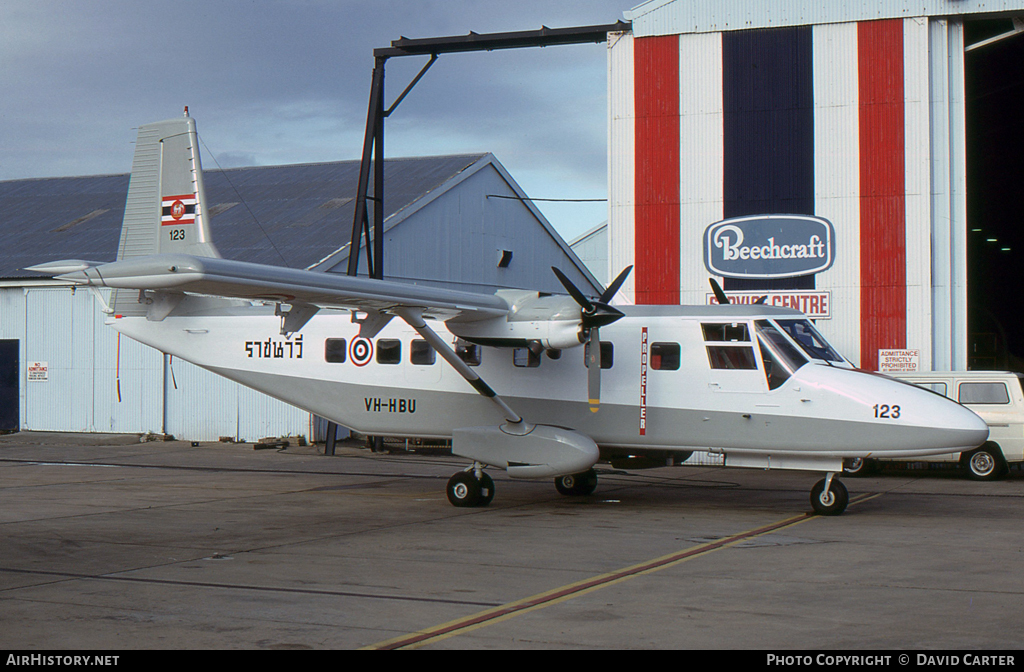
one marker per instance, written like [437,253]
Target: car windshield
[808,338]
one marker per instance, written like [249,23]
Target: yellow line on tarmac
[557,595]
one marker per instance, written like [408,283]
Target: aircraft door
[732,358]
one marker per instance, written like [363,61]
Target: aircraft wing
[178,273]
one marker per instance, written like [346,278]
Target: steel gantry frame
[373,140]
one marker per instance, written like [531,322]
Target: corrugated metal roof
[304,211]
[669,17]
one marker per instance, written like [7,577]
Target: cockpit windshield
[779,356]
[808,338]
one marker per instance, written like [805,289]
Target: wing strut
[414,318]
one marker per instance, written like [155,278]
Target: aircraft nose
[958,427]
[968,430]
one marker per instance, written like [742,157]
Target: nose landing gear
[829,496]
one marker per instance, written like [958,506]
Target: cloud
[288,82]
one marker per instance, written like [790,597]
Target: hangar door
[994,87]
[9,385]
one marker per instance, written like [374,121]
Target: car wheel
[984,464]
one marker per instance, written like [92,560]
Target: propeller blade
[574,292]
[616,283]
[594,370]
[719,293]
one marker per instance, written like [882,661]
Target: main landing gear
[577,485]
[829,496]
[471,487]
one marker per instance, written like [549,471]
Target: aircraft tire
[984,464]
[486,490]
[577,485]
[464,490]
[857,466]
[832,503]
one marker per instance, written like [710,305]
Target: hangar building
[889,133]
[457,221]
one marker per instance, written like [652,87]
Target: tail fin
[166,210]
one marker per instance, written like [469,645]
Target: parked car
[996,396]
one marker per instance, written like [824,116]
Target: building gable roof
[294,215]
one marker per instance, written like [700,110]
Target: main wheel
[576,485]
[830,503]
[464,489]
[858,466]
[984,464]
[486,490]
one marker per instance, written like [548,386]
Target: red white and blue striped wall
[858,123]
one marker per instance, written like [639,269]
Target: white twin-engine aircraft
[755,383]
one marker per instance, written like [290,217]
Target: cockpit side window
[779,356]
[731,345]
[808,338]
[729,332]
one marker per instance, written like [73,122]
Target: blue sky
[288,82]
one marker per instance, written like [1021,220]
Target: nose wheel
[470,488]
[829,496]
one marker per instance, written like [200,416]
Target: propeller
[593,316]
[720,296]
[723,300]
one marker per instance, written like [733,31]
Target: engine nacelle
[552,321]
[543,452]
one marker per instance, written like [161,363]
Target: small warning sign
[38,371]
[899,361]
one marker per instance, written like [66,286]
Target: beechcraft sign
[769,246]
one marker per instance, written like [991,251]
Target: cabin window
[389,351]
[665,356]
[735,332]
[607,354]
[525,358]
[731,357]
[983,393]
[422,353]
[470,353]
[335,350]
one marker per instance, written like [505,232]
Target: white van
[998,398]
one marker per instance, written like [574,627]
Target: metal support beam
[371,150]
[373,139]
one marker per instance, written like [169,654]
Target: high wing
[213,276]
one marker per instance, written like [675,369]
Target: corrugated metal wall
[853,122]
[656,165]
[99,383]
[664,17]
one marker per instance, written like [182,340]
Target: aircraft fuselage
[679,379]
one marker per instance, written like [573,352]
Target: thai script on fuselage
[380,405]
[275,348]
[769,246]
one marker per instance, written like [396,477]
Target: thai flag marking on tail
[178,210]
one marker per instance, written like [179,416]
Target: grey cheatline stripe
[572,590]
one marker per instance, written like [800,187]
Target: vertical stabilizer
[166,210]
